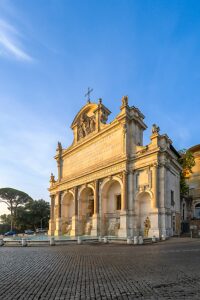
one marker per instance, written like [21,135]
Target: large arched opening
[110,207]
[144,209]
[67,212]
[197,211]
[86,210]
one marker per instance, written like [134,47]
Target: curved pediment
[87,110]
[89,119]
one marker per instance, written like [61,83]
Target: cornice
[145,154]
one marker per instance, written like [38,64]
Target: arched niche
[144,200]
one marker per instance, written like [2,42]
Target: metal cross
[88,94]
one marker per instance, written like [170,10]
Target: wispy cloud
[27,146]
[11,43]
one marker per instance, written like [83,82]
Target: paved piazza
[167,270]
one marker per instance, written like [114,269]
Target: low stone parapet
[53,241]
[147,241]
[12,242]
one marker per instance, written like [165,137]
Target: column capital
[124,175]
[75,189]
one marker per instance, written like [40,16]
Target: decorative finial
[155,129]
[59,147]
[88,94]
[100,101]
[124,100]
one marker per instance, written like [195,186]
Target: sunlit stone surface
[109,183]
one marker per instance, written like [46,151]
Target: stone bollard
[1,242]
[129,241]
[24,242]
[163,237]
[135,240]
[105,240]
[52,241]
[154,239]
[79,241]
[140,240]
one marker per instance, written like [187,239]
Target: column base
[135,232]
[95,225]
[122,232]
[163,233]
[74,230]
[58,230]
[154,232]
[51,228]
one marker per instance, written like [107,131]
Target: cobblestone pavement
[167,270]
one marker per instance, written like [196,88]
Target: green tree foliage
[37,213]
[187,162]
[5,219]
[184,188]
[13,199]
[31,216]
[4,228]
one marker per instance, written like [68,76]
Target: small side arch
[197,209]
[68,192]
[108,180]
[139,194]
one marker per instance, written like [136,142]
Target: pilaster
[162,200]
[52,220]
[58,231]
[58,222]
[124,192]
[74,230]
[155,186]
[123,214]
[95,217]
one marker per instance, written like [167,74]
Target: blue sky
[52,50]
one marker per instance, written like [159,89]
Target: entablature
[109,170]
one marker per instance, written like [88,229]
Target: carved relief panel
[85,126]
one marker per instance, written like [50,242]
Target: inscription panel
[143,177]
[98,153]
[91,177]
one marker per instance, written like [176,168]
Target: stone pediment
[89,120]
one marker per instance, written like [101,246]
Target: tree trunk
[11,212]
